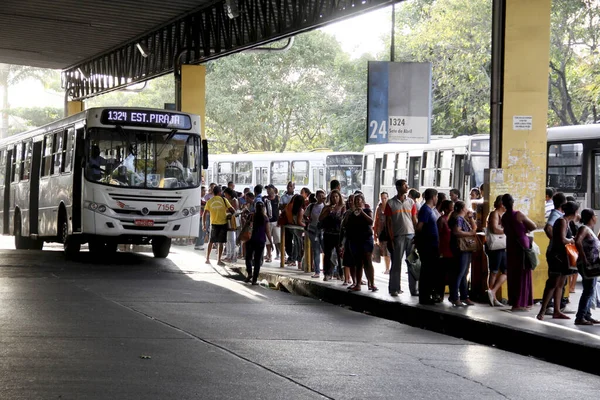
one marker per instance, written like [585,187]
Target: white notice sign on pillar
[522,122]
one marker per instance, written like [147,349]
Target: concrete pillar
[74,107]
[523,139]
[193,92]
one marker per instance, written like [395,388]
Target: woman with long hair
[496,258]
[359,242]
[589,246]
[518,277]
[331,221]
[378,229]
[558,262]
[255,247]
[348,261]
[462,224]
[296,217]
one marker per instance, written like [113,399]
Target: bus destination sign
[148,118]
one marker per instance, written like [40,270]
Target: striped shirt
[401,212]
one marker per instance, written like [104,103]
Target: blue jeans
[315,246]
[587,296]
[254,253]
[203,231]
[402,248]
[462,259]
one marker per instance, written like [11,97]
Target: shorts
[497,261]
[275,232]
[218,233]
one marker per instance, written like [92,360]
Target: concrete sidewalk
[557,341]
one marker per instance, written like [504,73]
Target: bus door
[262,175]
[595,203]
[34,187]
[318,178]
[460,180]
[414,172]
[6,204]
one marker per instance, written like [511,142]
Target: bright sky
[364,33]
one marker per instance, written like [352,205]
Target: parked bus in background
[443,164]
[574,163]
[106,176]
[311,169]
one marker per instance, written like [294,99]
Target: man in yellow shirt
[218,207]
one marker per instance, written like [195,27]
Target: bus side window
[300,172]
[2,166]
[15,163]
[26,160]
[280,172]
[47,156]
[67,151]
[57,156]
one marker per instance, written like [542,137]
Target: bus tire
[161,247]
[71,245]
[36,244]
[20,241]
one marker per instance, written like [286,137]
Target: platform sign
[399,102]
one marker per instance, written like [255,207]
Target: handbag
[530,258]
[376,255]
[414,264]
[246,233]
[590,271]
[572,255]
[231,222]
[467,244]
[495,241]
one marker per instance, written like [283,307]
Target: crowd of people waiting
[435,238]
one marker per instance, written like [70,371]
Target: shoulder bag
[530,258]
[246,233]
[592,270]
[572,255]
[494,241]
[467,243]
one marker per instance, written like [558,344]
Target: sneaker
[549,311]
[394,294]
[201,248]
[497,303]
[567,310]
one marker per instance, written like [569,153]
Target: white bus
[312,169]
[443,164]
[574,163]
[106,176]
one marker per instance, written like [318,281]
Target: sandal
[560,316]
[355,289]
[583,322]
[373,288]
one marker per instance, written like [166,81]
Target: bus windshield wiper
[167,140]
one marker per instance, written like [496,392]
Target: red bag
[282,219]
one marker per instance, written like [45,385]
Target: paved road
[139,328]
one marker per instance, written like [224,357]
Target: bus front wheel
[71,245]
[161,247]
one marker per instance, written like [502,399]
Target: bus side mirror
[205,154]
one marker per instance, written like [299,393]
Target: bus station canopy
[105,45]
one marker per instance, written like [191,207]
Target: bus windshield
[143,159]
[346,168]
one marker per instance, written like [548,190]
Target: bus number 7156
[166,207]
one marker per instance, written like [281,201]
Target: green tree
[454,36]
[11,75]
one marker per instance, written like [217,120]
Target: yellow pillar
[74,107]
[193,92]
[525,110]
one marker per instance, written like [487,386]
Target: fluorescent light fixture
[143,49]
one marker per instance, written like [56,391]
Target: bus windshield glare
[143,159]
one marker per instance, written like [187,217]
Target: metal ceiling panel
[104,45]
[57,34]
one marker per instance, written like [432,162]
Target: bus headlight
[194,210]
[185,212]
[102,208]
[95,206]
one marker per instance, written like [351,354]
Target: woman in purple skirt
[516,226]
